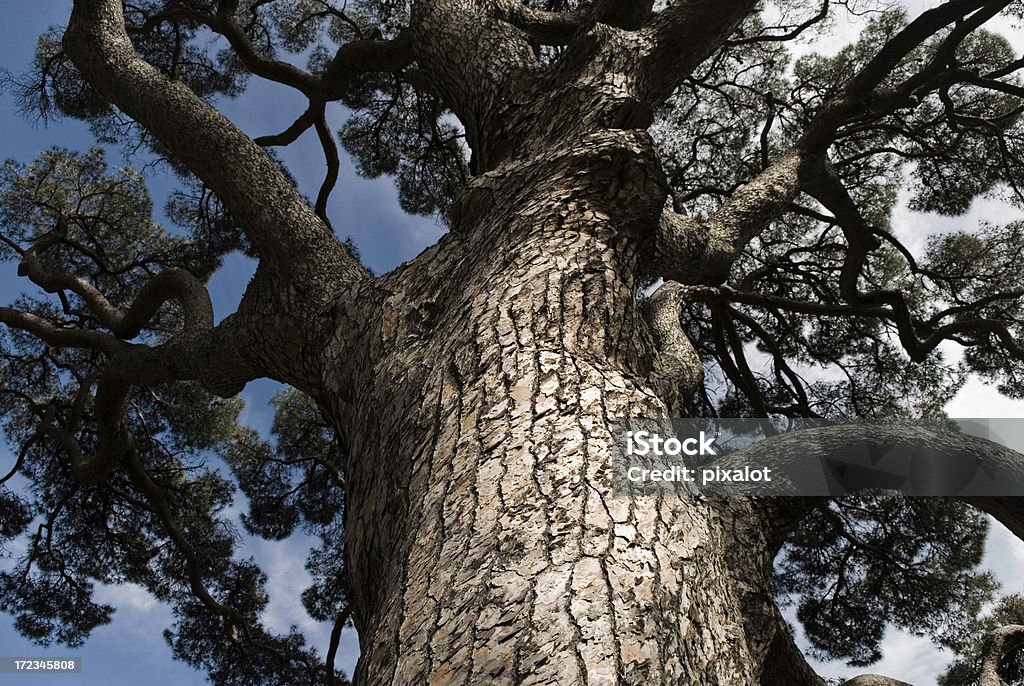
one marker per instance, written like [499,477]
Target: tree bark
[485,544]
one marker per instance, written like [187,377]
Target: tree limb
[716,243]
[859,96]
[330,149]
[677,370]
[999,642]
[785,451]
[550,28]
[358,56]
[789,35]
[57,336]
[829,190]
[682,36]
[709,249]
[332,649]
[283,228]
[171,284]
[292,133]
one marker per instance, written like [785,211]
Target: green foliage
[293,480]
[405,134]
[232,657]
[709,129]
[938,152]
[109,237]
[96,225]
[964,271]
[857,564]
[296,481]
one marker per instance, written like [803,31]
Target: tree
[447,439]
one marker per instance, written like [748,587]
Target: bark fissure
[521,566]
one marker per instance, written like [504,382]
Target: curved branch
[291,134]
[171,284]
[354,57]
[677,370]
[330,148]
[708,249]
[282,227]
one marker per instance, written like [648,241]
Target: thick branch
[682,36]
[114,439]
[914,34]
[550,28]
[59,337]
[787,451]
[1000,641]
[476,62]
[716,244]
[274,215]
[677,370]
[172,284]
[702,253]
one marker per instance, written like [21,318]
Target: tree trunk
[485,544]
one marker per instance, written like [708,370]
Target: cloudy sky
[369,212]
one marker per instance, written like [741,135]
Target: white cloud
[128,598]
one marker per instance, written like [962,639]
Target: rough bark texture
[484,540]
[483,533]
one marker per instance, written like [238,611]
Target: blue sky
[368,211]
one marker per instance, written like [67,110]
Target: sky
[368,211]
